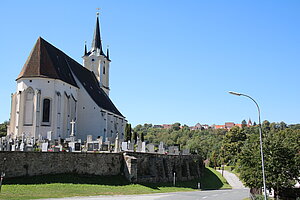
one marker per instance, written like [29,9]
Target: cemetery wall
[38,163]
[150,167]
[137,167]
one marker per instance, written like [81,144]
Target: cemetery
[136,160]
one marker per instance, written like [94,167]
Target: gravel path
[232,179]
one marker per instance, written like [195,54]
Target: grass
[213,180]
[67,185]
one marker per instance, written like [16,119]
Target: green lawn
[213,180]
[66,185]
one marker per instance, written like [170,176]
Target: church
[58,96]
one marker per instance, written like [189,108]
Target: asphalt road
[234,194]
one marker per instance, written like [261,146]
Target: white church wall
[49,89]
[90,121]
[93,120]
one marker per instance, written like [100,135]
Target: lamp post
[260,138]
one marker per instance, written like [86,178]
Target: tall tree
[134,136]
[3,129]
[128,132]
[232,144]
[142,137]
[282,160]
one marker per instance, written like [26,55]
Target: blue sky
[172,61]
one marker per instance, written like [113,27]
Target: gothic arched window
[103,69]
[46,111]
[28,110]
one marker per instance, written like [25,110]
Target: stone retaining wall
[137,167]
[146,167]
[38,163]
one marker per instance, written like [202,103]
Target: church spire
[85,50]
[96,44]
[107,53]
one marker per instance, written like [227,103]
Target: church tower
[96,61]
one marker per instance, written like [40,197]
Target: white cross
[72,127]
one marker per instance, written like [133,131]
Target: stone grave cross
[72,128]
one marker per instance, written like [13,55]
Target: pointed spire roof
[46,61]
[96,44]
[107,54]
[85,50]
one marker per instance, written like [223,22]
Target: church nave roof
[47,61]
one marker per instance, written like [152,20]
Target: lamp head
[235,93]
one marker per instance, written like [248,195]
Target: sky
[172,61]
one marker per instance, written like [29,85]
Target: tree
[244,123]
[282,160]
[282,125]
[266,126]
[142,137]
[128,132]
[134,136]
[249,162]
[3,129]
[176,126]
[232,144]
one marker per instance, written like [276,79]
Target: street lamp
[260,138]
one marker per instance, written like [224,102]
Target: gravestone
[72,138]
[32,142]
[117,144]
[150,148]
[39,139]
[49,135]
[124,146]
[100,140]
[143,147]
[89,138]
[90,146]
[77,146]
[185,151]
[13,147]
[22,146]
[161,149]
[96,146]
[1,145]
[5,145]
[29,148]
[176,150]
[45,147]
[104,147]
[139,146]
[173,150]
[131,147]
[58,140]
